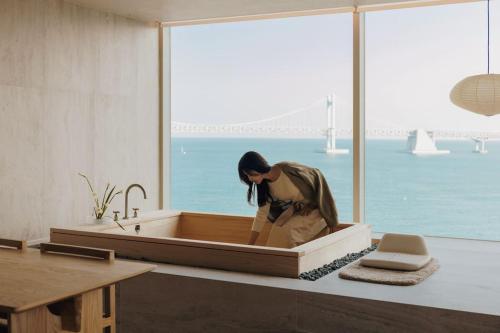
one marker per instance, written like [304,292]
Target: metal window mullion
[165,108]
[358,117]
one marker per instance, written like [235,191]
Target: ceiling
[187,11]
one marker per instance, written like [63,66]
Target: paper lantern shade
[478,93]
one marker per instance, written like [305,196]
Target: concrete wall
[78,93]
[158,302]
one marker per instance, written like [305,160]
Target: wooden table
[42,291]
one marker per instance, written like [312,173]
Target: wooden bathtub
[215,241]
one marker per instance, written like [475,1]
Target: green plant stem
[119,192]
[96,200]
[119,225]
[109,195]
[106,198]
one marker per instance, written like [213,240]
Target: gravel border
[326,269]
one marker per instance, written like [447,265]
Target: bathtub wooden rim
[298,251]
[184,242]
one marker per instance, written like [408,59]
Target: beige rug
[385,276]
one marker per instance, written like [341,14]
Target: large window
[263,86]
[413,59]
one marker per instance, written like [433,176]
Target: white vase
[104,220]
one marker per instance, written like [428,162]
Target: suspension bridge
[317,119]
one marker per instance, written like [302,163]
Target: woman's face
[255,177]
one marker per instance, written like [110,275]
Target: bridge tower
[480,145]
[331,132]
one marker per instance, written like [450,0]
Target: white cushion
[398,251]
[393,260]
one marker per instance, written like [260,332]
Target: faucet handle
[116,212]
[135,211]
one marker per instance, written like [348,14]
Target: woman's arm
[258,223]
[253,237]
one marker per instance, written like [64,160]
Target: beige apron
[298,229]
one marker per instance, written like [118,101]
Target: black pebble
[317,273]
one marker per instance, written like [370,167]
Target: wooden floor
[463,295]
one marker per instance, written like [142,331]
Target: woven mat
[386,276]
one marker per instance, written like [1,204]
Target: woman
[293,197]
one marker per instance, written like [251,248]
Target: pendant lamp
[479,93]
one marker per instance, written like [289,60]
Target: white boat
[421,142]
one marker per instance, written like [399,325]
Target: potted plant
[100,206]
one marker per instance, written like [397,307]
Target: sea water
[455,195]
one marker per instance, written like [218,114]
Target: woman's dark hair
[254,162]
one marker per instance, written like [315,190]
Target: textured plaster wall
[78,93]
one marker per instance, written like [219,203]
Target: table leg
[93,311]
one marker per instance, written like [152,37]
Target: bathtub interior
[198,226]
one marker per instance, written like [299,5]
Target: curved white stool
[398,251]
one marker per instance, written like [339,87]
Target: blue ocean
[455,195]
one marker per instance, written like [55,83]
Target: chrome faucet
[126,197]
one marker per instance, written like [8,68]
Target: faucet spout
[126,197]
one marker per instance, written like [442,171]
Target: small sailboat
[183,152]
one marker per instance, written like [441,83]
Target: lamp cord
[488,36]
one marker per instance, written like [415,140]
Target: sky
[245,71]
